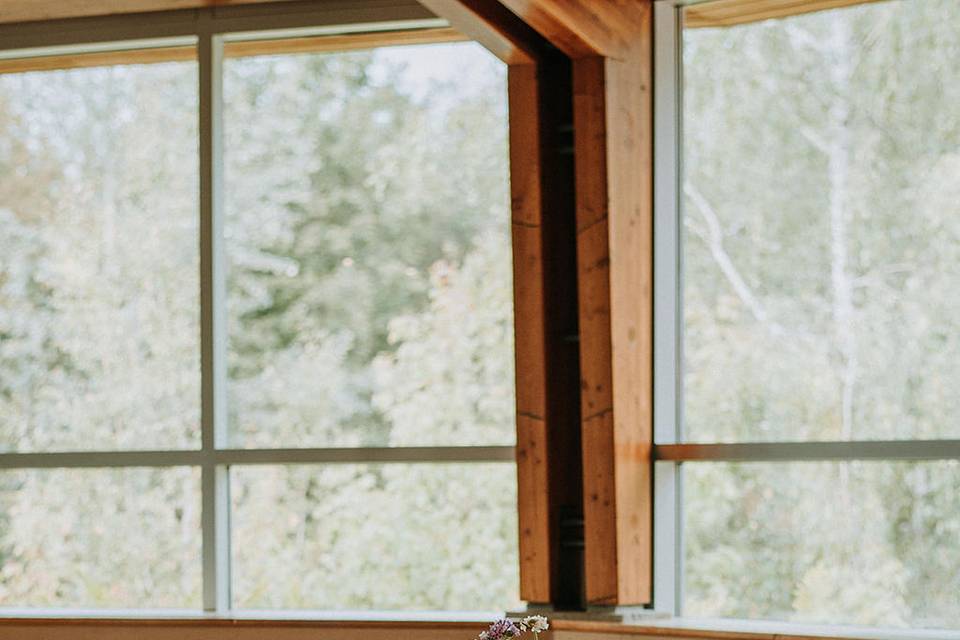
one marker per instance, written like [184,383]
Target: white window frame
[208,29]
[667,307]
[670,450]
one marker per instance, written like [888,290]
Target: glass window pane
[98,283]
[869,543]
[367,230]
[82,538]
[822,225]
[396,536]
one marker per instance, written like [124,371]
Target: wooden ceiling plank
[344,42]
[99,59]
[726,13]
[584,28]
[242,49]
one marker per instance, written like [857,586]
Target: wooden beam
[611,46]
[548,434]
[529,307]
[584,28]
[614,158]
[630,241]
[560,320]
[546,317]
[727,13]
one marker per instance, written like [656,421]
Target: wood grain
[548,444]
[231,629]
[583,28]
[630,183]
[342,42]
[613,146]
[726,13]
[244,49]
[99,59]
[530,336]
[234,629]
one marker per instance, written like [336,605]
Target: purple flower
[500,630]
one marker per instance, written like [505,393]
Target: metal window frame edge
[479,454]
[667,322]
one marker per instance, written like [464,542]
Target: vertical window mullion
[667,307]
[215,482]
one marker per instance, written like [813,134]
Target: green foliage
[367,243]
[333,253]
[821,218]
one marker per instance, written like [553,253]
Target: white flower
[536,624]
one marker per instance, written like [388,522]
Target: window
[346,276]
[98,226]
[346,285]
[99,334]
[817,446]
[256,313]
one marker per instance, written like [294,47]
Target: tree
[820,169]
[354,190]
[375,309]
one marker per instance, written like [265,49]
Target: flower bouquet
[504,629]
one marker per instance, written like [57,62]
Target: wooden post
[531,339]
[548,434]
[611,47]
[615,256]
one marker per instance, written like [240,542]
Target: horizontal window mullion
[100,459]
[333,455]
[365,455]
[809,451]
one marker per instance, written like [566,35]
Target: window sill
[718,629]
[189,617]
[660,629]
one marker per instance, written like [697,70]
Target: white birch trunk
[839,159]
